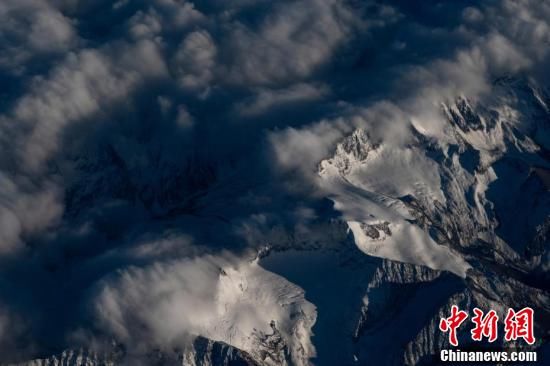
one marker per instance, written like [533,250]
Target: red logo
[519,325]
[485,326]
[516,325]
[451,323]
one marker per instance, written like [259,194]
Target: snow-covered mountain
[461,221]
[288,183]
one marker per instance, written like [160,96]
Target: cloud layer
[167,119]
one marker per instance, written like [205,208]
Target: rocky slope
[463,220]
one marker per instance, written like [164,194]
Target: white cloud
[290,44]
[85,84]
[195,60]
[25,209]
[472,14]
[248,57]
[300,150]
[177,14]
[30,29]
[226,300]
[266,99]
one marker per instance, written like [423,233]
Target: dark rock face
[373,231]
